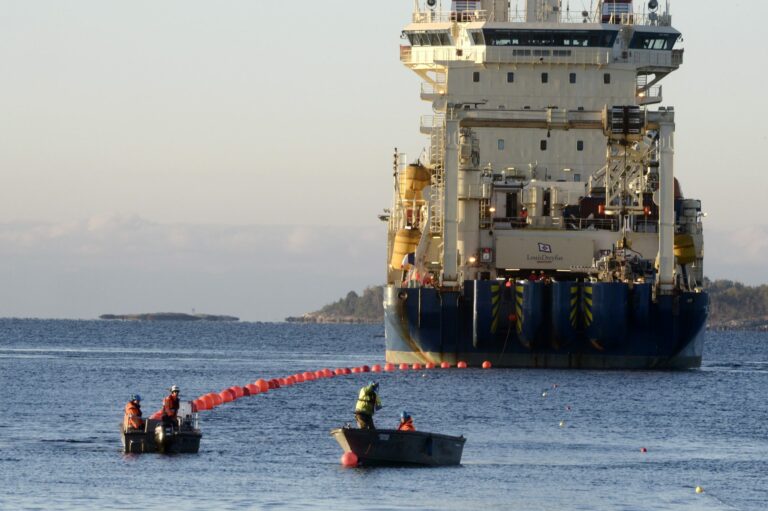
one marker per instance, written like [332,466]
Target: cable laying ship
[544,227]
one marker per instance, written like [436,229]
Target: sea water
[548,440]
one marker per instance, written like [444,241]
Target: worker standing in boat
[132,418]
[406,422]
[368,402]
[171,407]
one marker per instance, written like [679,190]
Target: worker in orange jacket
[132,419]
[171,407]
[406,422]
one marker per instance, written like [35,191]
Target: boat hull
[392,447]
[146,440]
[536,325]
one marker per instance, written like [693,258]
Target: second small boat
[392,447]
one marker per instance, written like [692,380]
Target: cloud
[131,264]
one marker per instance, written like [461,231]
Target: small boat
[181,438]
[391,447]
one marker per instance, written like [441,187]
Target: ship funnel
[496,10]
[542,11]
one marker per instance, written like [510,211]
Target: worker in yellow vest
[368,402]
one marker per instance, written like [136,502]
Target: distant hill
[167,316]
[733,306]
[367,308]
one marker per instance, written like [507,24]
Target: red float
[487,365]
[309,376]
[445,365]
[355,370]
[430,365]
[226,396]
[319,374]
[217,399]
[349,459]
[328,373]
[209,402]
[263,385]
[389,367]
[339,371]
[462,365]
[376,368]
[643,450]
[347,370]
[253,389]
[404,366]
[366,369]
[299,378]
[238,391]
[417,367]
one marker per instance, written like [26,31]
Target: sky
[231,157]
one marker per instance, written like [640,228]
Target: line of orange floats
[213,399]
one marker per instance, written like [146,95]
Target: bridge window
[543,145]
[544,77]
[576,38]
[653,41]
[572,78]
[476,76]
[501,144]
[431,38]
[607,78]
[510,77]
[580,145]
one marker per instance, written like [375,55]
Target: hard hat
[135,397]
[175,388]
[405,416]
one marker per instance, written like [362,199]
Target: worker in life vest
[406,422]
[368,402]
[132,419]
[171,407]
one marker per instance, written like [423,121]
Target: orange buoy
[246,391]
[309,376]
[376,368]
[487,365]
[349,459]
[238,391]
[299,377]
[339,371]
[252,389]
[355,370]
[217,399]
[263,385]
[347,370]
[430,365]
[643,450]
[404,366]
[226,396]
[319,374]
[365,369]
[328,373]
[462,365]
[197,406]
[389,367]
[445,365]
[416,367]
[209,402]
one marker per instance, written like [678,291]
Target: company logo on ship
[545,255]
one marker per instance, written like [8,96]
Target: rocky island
[167,316]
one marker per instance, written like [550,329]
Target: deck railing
[520,16]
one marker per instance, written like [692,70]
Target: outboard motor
[164,437]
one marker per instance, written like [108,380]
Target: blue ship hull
[560,325]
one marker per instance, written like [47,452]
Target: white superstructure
[545,154]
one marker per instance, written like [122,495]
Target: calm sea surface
[63,385]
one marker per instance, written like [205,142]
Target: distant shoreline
[167,316]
